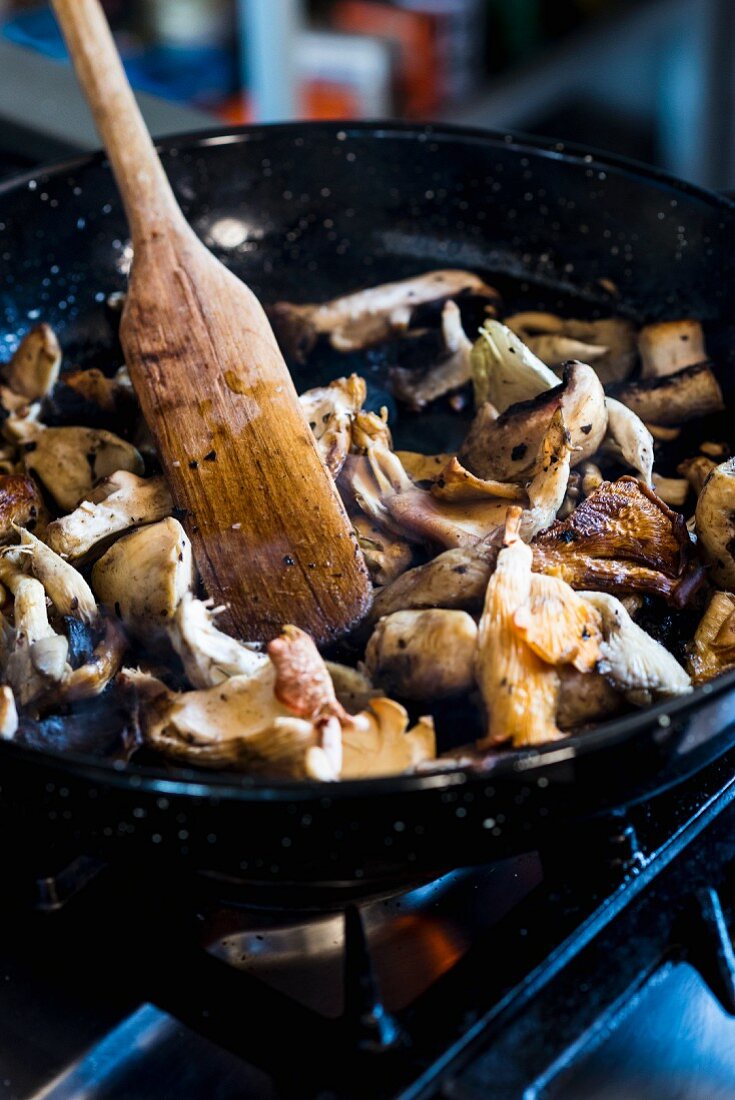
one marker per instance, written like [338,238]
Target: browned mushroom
[675,398]
[668,346]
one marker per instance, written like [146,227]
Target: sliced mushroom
[144,576]
[715,522]
[712,650]
[423,654]
[675,398]
[451,373]
[505,448]
[608,344]
[115,505]
[519,689]
[633,661]
[209,656]
[34,368]
[629,439]
[329,411]
[65,586]
[668,346]
[366,317]
[68,461]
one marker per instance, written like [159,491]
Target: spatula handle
[146,193]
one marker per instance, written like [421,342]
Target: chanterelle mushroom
[144,576]
[423,654]
[715,522]
[368,316]
[34,368]
[68,461]
[116,504]
[633,661]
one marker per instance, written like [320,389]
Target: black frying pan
[306,212]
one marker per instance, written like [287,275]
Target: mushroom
[209,656]
[546,490]
[353,688]
[668,346]
[558,625]
[91,678]
[715,522]
[671,490]
[366,317]
[452,372]
[624,539]
[634,662]
[144,576]
[629,439]
[505,371]
[386,554]
[20,504]
[675,398]
[329,411]
[584,697]
[423,654]
[505,448]
[423,467]
[112,395]
[116,504]
[696,470]
[455,579]
[519,689]
[383,744]
[64,585]
[712,649]
[34,368]
[608,344]
[455,483]
[37,654]
[8,713]
[68,461]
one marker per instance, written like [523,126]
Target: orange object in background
[318,99]
[414,37]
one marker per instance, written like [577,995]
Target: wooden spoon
[270,536]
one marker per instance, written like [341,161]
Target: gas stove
[601,968]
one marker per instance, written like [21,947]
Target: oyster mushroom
[20,504]
[92,677]
[144,576]
[423,654]
[455,579]
[451,373]
[209,656]
[8,713]
[455,483]
[629,439]
[115,505]
[715,522]
[667,346]
[386,554]
[68,461]
[505,448]
[504,370]
[34,368]
[37,654]
[422,468]
[675,398]
[634,662]
[329,411]
[608,344]
[712,649]
[622,538]
[366,317]
[65,586]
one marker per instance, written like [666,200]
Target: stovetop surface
[602,967]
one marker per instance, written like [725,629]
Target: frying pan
[304,212]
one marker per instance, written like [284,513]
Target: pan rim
[175,779]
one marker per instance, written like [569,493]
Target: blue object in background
[203,75]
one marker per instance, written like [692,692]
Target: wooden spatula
[270,535]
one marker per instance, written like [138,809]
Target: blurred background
[653,79]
